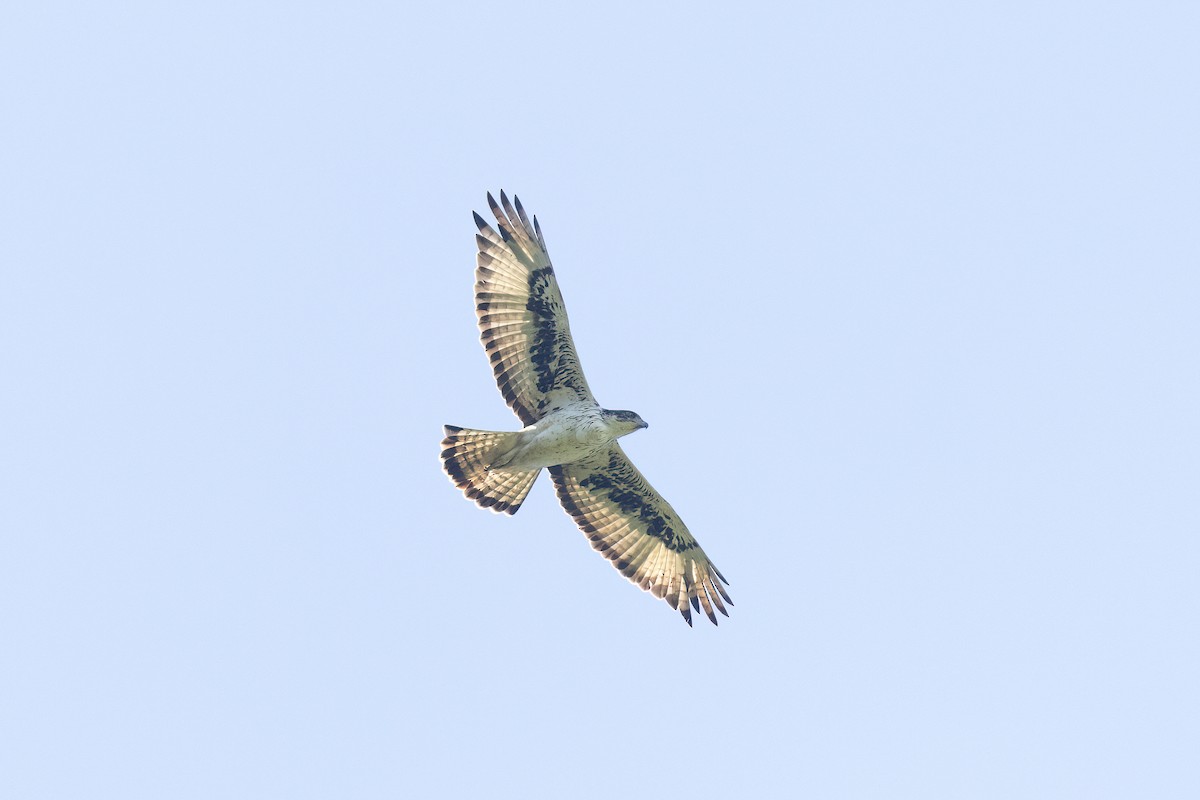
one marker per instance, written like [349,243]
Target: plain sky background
[908,294]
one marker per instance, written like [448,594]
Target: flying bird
[523,326]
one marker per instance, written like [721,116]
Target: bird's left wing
[635,528]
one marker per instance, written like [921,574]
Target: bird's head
[624,422]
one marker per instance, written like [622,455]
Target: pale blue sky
[908,295]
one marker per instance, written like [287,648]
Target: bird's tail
[467,455]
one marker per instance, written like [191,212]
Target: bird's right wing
[522,320]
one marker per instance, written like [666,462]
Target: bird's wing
[522,320]
[637,530]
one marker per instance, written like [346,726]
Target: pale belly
[563,437]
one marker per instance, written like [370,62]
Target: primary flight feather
[523,326]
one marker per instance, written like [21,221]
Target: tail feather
[467,455]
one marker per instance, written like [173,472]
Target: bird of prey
[523,326]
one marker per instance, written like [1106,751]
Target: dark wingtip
[724,593]
[687,616]
[479,221]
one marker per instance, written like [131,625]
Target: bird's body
[565,436]
[524,329]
